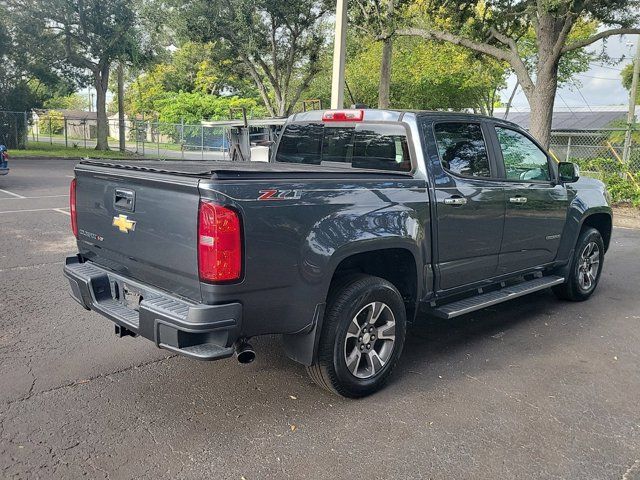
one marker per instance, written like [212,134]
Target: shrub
[52,123]
[620,185]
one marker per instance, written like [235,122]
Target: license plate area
[127,295]
[131,297]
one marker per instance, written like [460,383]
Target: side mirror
[568,172]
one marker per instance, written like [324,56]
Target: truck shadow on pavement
[488,339]
[492,338]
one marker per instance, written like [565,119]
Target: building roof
[78,115]
[70,114]
[577,118]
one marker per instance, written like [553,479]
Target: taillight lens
[72,208]
[219,243]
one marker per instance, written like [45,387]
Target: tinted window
[462,149]
[301,144]
[379,147]
[523,160]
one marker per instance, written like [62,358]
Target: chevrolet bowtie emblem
[123,223]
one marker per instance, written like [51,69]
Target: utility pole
[626,153]
[339,47]
[90,95]
[121,127]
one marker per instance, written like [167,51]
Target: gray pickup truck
[362,222]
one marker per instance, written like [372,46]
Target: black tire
[575,288]
[347,300]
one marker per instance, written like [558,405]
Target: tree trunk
[541,102]
[101,80]
[542,96]
[121,126]
[384,87]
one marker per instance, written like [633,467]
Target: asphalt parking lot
[535,388]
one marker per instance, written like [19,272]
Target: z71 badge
[279,194]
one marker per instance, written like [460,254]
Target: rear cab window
[462,149]
[364,145]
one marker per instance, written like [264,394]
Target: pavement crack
[33,380]
[29,267]
[76,383]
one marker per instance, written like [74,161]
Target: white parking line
[61,211]
[36,210]
[11,193]
[32,198]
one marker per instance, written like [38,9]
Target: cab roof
[392,115]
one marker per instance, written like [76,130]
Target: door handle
[518,199]
[455,201]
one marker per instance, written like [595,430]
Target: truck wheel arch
[398,264]
[405,274]
[602,222]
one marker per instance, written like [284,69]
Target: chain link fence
[13,129]
[208,140]
[599,153]
[604,154]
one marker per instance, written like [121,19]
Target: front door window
[523,160]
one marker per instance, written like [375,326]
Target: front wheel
[362,337]
[586,267]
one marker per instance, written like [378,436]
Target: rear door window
[462,149]
[370,146]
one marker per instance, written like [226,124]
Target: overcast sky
[600,85]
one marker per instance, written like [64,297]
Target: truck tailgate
[142,225]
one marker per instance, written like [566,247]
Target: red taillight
[72,208]
[219,243]
[343,116]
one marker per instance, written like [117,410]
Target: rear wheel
[362,337]
[586,267]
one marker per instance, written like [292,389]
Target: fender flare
[303,346]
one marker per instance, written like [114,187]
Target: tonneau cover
[229,170]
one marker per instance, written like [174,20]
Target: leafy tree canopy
[425,75]
[193,107]
[89,35]
[276,43]
[67,102]
[27,80]
[499,28]
[197,80]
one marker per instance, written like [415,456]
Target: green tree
[495,28]
[571,64]
[193,68]
[379,19]
[93,34]
[426,75]
[28,79]
[194,107]
[66,102]
[276,43]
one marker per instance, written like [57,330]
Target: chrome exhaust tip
[245,352]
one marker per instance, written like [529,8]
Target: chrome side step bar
[478,302]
